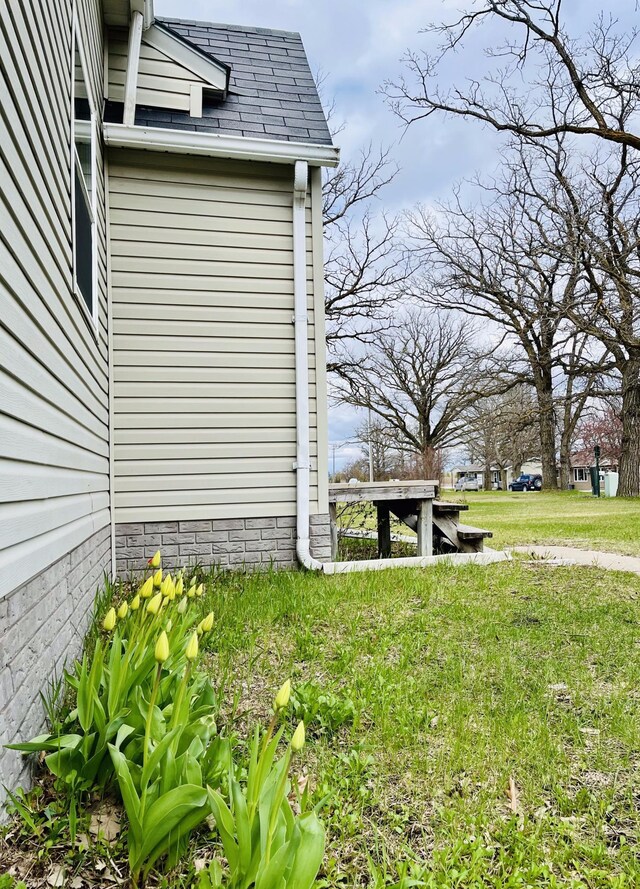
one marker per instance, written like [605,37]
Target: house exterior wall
[54,468]
[42,624]
[203,344]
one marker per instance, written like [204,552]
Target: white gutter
[133,63]
[279,151]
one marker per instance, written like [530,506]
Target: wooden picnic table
[415,503]
[415,497]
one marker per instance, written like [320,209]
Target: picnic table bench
[416,504]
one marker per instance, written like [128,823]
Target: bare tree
[587,87]
[365,267]
[491,260]
[594,202]
[420,380]
[503,431]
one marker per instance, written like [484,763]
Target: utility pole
[333,449]
[370,450]
[596,452]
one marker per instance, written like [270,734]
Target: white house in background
[162,369]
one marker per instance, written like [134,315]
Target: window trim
[90,131]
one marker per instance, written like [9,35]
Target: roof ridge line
[250,29]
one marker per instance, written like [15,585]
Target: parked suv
[527,482]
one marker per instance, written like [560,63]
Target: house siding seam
[42,625]
[251,543]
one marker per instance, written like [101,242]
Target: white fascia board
[216,75]
[276,151]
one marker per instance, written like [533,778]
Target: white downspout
[303,461]
[133,63]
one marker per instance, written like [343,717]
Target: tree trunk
[547,423]
[629,481]
[566,478]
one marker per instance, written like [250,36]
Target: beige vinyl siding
[204,363]
[162,82]
[54,488]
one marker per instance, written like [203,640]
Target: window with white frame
[84,203]
[580,474]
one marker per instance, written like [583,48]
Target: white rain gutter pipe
[303,459]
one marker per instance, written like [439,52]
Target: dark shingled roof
[272,94]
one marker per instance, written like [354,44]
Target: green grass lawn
[569,518]
[564,517]
[464,682]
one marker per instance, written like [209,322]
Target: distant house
[581,463]
[161,314]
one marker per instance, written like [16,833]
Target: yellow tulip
[157,577]
[182,606]
[179,586]
[154,561]
[135,603]
[162,648]
[169,626]
[297,742]
[122,611]
[109,621]
[153,605]
[207,623]
[147,588]
[192,591]
[200,589]
[191,651]
[168,588]
[282,698]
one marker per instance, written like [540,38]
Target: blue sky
[358,45]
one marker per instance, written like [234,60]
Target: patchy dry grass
[497,736]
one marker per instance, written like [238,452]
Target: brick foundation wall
[42,625]
[230,543]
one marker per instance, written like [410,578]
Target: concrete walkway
[571,555]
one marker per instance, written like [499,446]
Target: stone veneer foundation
[228,543]
[42,625]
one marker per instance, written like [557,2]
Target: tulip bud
[191,651]
[162,648]
[168,588]
[169,626]
[109,621]
[157,577]
[192,592]
[153,605]
[154,561]
[200,589]
[207,623]
[135,603]
[182,606]
[282,698]
[122,611]
[199,628]
[297,742]
[147,588]
[179,586]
